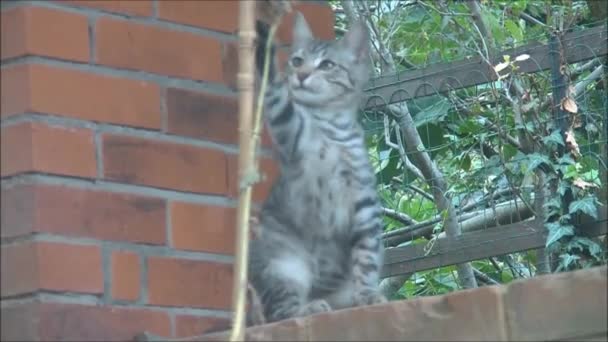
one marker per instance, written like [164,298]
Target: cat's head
[322,73]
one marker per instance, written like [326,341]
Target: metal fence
[495,213]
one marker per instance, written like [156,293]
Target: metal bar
[406,85]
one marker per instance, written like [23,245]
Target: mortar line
[216,88]
[106,256]
[143,280]
[155,8]
[145,250]
[131,17]
[52,119]
[99,154]
[63,297]
[116,187]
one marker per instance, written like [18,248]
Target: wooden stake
[245,82]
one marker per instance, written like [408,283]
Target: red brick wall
[119,154]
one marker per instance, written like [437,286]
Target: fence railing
[438,79]
[435,79]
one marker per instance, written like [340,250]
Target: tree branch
[484,277]
[480,23]
[401,217]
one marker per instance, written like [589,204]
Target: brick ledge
[563,306]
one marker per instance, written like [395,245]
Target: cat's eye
[297,61]
[326,65]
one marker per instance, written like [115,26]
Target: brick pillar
[119,132]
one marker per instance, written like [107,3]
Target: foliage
[496,138]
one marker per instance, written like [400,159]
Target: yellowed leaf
[569,105]
[500,66]
[572,144]
[583,184]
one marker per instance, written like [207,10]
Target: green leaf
[586,205]
[567,260]
[514,30]
[557,231]
[554,138]
[566,159]
[466,163]
[536,160]
[508,152]
[594,248]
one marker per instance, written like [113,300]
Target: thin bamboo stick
[245,81]
[248,142]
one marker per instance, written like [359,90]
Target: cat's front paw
[316,306]
[369,297]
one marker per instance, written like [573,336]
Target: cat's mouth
[301,87]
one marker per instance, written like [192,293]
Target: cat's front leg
[366,258]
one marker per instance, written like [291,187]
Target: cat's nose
[302,76]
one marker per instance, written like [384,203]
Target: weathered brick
[564,306]
[32,266]
[37,147]
[44,32]
[203,228]
[164,165]
[19,269]
[180,282]
[139,7]
[202,115]
[82,213]
[188,325]
[269,169]
[130,45]
[82,95]
[50,321]
[125,275]
[320,18]
[215,15]
[460,316]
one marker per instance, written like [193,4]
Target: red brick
[37,147]
[52,266]
[164,165]
[49,321]
[202,115]
[320,18]
[180,282]
[82,213]
[19,269]
[138,7]
[216,15]
[203,228]
[188,326]
[44,32]
[269,169]
[125,275]
[15,92]
[82,95]
[130,45]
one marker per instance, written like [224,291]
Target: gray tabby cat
[320,242]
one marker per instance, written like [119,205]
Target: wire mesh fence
[502,132]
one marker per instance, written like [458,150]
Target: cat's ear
[301,30]
[356,39]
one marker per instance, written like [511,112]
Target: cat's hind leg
[286,286]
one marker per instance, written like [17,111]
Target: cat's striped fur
[320,242]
